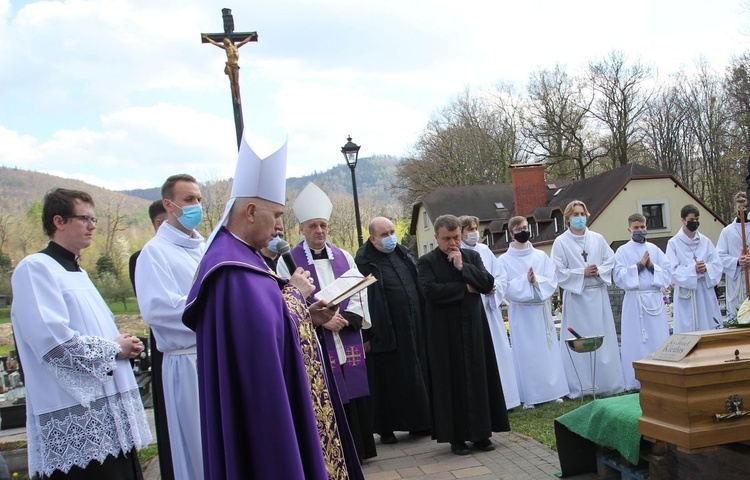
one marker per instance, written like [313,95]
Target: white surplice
[163,276]
[536,350]
[729,248]
[492,303]
[587,308]
[644,325]
[81,403]
[695,306]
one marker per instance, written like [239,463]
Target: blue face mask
[191,215]
[579,223]
[389,243]
[639,235]
[272,244]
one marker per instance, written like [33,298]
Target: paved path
[516,457]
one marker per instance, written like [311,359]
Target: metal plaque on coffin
[697,403]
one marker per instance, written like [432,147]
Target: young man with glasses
[84,410]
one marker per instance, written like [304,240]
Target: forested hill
[375,178]
[23,187]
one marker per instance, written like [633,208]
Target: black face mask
[693,225]
[522,237]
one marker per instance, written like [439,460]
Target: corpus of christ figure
[232,69]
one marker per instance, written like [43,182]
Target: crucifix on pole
[226,41]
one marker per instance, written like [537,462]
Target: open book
[344,287]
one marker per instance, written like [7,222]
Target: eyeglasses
[84,218]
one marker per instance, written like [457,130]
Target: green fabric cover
[611,422]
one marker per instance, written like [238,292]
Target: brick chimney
[529,187]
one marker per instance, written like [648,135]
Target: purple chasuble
[351,377]
[257,418]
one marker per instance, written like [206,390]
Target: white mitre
[255,177]
[312,202]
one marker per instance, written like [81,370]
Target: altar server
[84,415]
[642,270]
[492,303]
[163,276]
[531,281]
[583,265]
[696,269]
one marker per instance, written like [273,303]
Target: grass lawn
[538,423]
[130,308]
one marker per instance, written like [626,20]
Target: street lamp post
[351,154]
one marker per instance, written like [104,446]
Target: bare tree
[469,141]
[621,98]
[215,197]
[665,132]
[555,124]
[703,98]
[737,88]
[113,222]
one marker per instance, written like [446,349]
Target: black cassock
[467,397]
[394,364]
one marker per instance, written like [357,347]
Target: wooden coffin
[681,400]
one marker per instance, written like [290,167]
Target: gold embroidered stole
[330,442]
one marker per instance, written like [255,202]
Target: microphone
[570,329]
[285,251]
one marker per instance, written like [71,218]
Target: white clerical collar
[308,252]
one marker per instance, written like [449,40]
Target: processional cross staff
[226,41]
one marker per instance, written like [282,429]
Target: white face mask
[472,238]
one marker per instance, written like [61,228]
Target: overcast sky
[122,93]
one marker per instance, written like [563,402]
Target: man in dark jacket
[467,397]
[395,341]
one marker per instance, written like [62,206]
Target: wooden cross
[226,41]
[585,255]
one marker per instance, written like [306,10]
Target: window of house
[507,237]
[432,246]
[656,213]
[557,226]
[424,220]
[424,249]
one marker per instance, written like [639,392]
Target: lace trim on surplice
[78,435]
[82,364]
